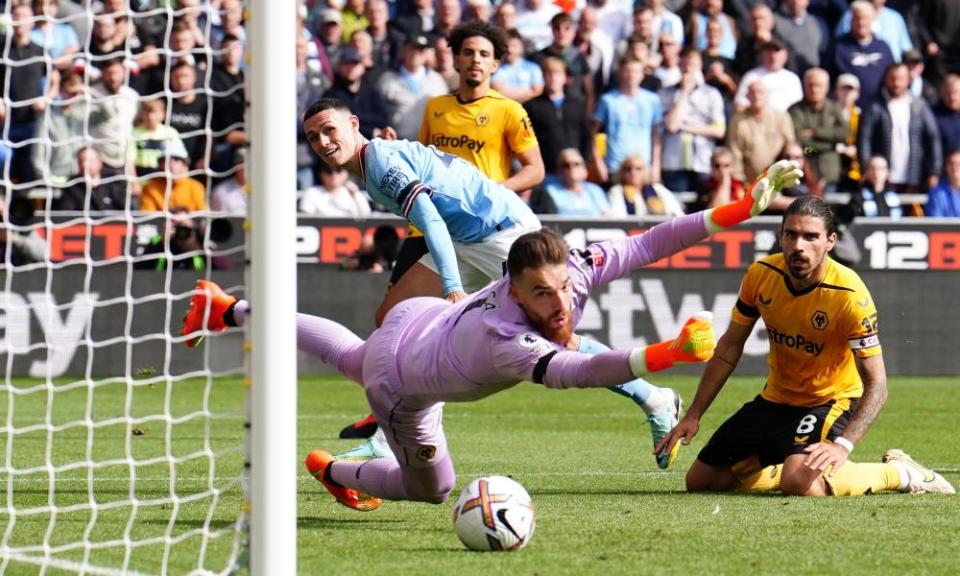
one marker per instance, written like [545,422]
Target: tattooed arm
[828,457]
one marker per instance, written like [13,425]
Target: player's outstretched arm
[621,257]
[695,343]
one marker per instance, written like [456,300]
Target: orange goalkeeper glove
[695,343]
[765,187]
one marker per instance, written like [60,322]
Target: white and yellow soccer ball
[494,513]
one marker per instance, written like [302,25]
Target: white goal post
[124,452]
[272,281]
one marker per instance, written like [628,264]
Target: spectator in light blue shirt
[631,117]
[570,194]
[59,39]
[945,198]
[517,77]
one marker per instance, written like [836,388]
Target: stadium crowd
[640,107]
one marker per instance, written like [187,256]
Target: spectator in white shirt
[783,86]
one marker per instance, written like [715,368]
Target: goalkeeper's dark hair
[535,250]
[813,207]
[474,28]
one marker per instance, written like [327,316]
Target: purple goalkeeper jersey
[485,343]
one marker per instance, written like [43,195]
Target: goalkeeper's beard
[552,330]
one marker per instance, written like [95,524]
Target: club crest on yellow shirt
[482,119]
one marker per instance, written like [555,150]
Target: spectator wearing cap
[887,25]
[902,129]
[820,126]
[329,34]
[947,114]
[847,91]
[783,86]
[174,189]
[919,87]
[94,187]
[351,87]
[698,28]
[757,134]
[803,34]
[862,54]
[407,89]
[944,200]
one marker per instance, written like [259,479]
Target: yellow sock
[752,478]
[764,480]
[853,479]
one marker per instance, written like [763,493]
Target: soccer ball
[494,513]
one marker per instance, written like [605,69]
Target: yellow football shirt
[814,333]
[487,132]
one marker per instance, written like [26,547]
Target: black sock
[228,318]
[328,478]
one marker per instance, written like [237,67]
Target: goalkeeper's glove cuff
[652,358]
[728,215]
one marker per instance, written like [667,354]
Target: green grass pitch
[603,506]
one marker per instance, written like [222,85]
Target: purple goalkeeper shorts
[413,429]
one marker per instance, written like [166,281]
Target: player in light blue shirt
[462,214]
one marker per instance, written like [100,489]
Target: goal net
[123,450]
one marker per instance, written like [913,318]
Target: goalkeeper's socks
[640,391]
[236,314]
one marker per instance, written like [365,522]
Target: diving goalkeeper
[430,351]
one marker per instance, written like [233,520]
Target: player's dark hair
[475,28]
[813,207]
[325,104]
[535,250]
